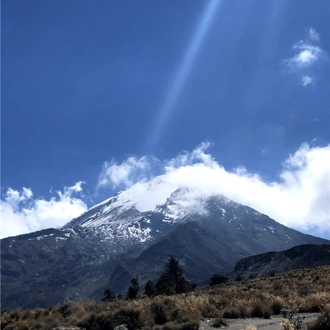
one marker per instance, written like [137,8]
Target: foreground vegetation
[308,290]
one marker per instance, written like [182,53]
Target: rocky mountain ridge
[298,257]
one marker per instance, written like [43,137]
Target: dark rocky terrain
[114,241]
[298,257]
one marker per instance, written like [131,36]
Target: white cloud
[125,174]
[306,55]
[306,80]
[313,35]
[21,213]
[299,199]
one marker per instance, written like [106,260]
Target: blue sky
[86,86]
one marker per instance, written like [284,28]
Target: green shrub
[291,314]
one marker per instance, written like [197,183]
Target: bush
[159,313]
[129,317]
[238,278]
[218,279]
[231,313]
[260,310]
[108,295]
[219,322]
[276,307]
[291,314]
[96,322]
[209,310]
[191,325]
[323,321]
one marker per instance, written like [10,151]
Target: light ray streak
[166,108]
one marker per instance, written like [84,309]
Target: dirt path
[274,323]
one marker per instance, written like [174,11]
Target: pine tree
[150,289]
[173,271]
[133,289]
[183,286]
[163,283]
[108,295]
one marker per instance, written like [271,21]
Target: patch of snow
[272,229]
[39,237]
[60,239]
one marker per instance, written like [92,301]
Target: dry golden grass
[307,289]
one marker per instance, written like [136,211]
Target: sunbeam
[167,106]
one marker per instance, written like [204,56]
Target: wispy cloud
[22,213]
[307,53]
[306,80]
[124,174]
[313,35]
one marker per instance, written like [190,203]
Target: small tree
[150,289]
[163,283]
[172,280]
[218,279]
[183,286]
[173,271]
[108,295]
[133,289]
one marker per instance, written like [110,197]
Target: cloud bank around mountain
[298,199]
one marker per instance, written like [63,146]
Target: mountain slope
[298,257]
[123,237]
[210,245]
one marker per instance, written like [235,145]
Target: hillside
[307,289]
[298,257]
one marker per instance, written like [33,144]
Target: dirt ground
[274,323]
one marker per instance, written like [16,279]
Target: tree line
[170,282]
